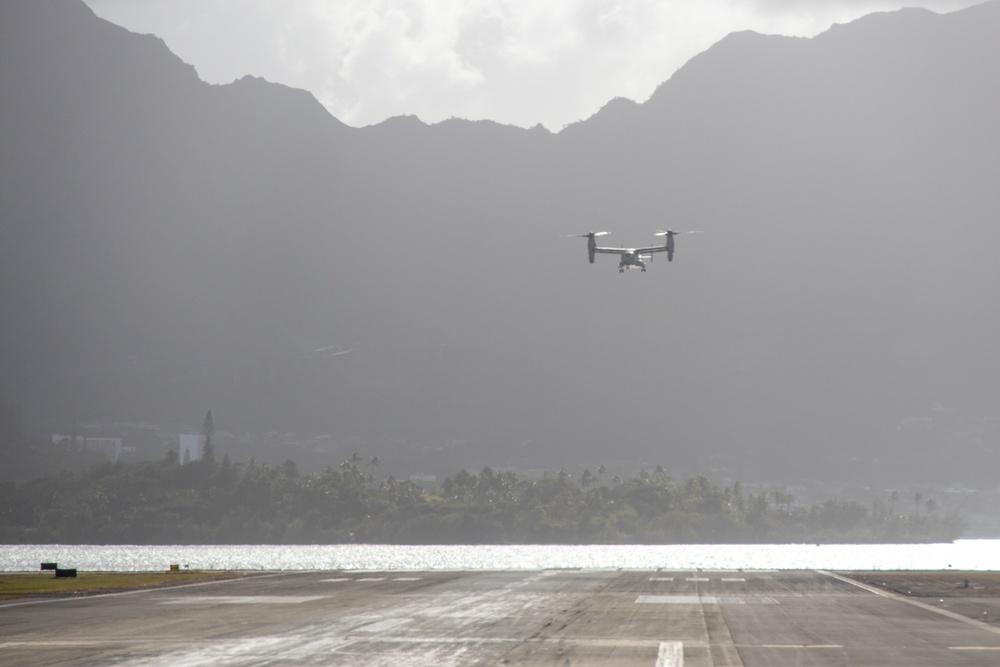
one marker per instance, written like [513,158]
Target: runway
[549,617]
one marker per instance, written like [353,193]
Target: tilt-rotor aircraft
[632,258]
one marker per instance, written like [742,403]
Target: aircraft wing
[613,251]
[650,249]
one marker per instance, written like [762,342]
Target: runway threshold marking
[671,654]
[702,599]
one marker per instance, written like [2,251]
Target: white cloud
[514,61]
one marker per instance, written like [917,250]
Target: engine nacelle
[591,243]
[668,244]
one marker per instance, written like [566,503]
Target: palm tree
[208,431]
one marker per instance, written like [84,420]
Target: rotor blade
[584,236]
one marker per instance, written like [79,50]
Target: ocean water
[959,555]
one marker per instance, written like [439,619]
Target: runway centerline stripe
[671,654]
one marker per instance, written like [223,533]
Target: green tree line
[212,502]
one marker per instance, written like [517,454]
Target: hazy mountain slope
[170,246]
[842,178]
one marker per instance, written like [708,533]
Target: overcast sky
[519,62]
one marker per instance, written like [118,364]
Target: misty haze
[406,291]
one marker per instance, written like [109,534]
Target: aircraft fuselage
[631,260]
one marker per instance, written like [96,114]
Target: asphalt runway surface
[550,617]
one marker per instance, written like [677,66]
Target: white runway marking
[799,646]
[661,578]
[739,599]
[974,648]
[698,579]
[671,654]
[244,599]
[734,579]
[381,626]
[669,599]
[340,580]
[702,599]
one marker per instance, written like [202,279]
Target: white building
[189,447]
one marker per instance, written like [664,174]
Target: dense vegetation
[24,459]
[166,501]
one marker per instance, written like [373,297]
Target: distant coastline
[961,555]
[212,502]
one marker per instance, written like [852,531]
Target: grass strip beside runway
[45,584]
[940,583]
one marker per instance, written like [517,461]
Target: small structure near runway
[61,573]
